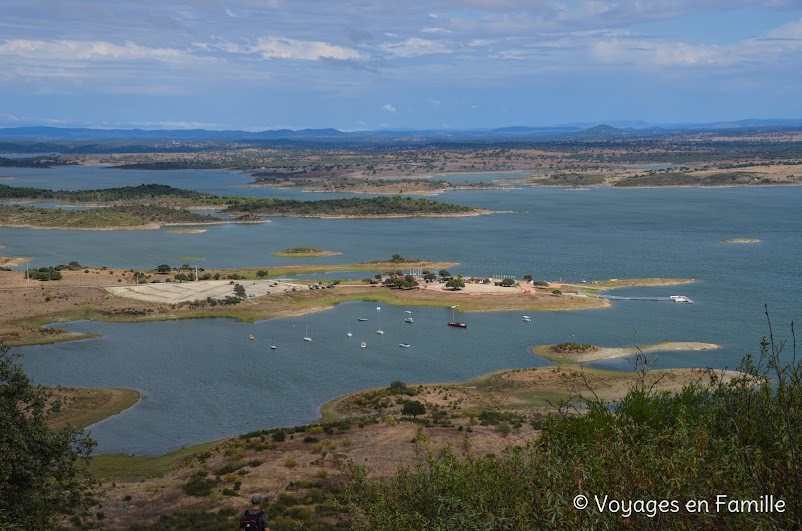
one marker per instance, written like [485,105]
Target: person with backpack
[255,519]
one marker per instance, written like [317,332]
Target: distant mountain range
[45,135]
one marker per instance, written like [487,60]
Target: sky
[396,64]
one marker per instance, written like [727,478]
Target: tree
[507,282]
[414,408]
[444,273]
[455,284]
[163,269]
[261,273]
[43,473]
[528,278]
[239,291]
[428,277]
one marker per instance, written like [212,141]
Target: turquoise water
[192,370]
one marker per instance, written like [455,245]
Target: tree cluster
[43,472]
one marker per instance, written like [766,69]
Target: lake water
[192,370]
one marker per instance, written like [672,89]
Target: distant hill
[85,140]
[600,131]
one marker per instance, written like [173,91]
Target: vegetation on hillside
[115,216]
[124,193]
[375,206]
[741,439]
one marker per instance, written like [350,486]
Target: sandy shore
[12,261]
[742,240]
[608,353]
[473,288]
[187,231]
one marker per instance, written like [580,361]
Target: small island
[742,240]
[304,251]
[581,353]
[152,206]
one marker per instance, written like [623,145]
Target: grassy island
[171,205]
[374,207]
[304,251]
[114,217]
[576,353]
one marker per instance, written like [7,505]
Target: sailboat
[363,345]
[272,344]
[379,331]
[455,323]
[306,337]
[349,334]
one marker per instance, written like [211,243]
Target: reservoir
[200,379]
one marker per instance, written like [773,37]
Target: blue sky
[372,64]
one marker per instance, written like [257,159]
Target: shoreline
[597,353]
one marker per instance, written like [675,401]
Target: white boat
[349,334]
[409,320]
[526,319]
[682,299]
[363,345]
[407,311]
[379,331]
[404,345]
[273,347]
[306,337]
[362,319]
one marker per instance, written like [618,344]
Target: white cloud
[71,50]
[435,30]
[414,47]
[389,108]
[286,48]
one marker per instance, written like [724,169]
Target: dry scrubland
[479,417]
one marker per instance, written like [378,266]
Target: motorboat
[404,345]
[526,319]
[409,320]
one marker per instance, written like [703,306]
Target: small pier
[680,299]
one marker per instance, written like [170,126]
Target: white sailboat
[306,337]
[349,334]
[364,345]
[272,344]
[378,314]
